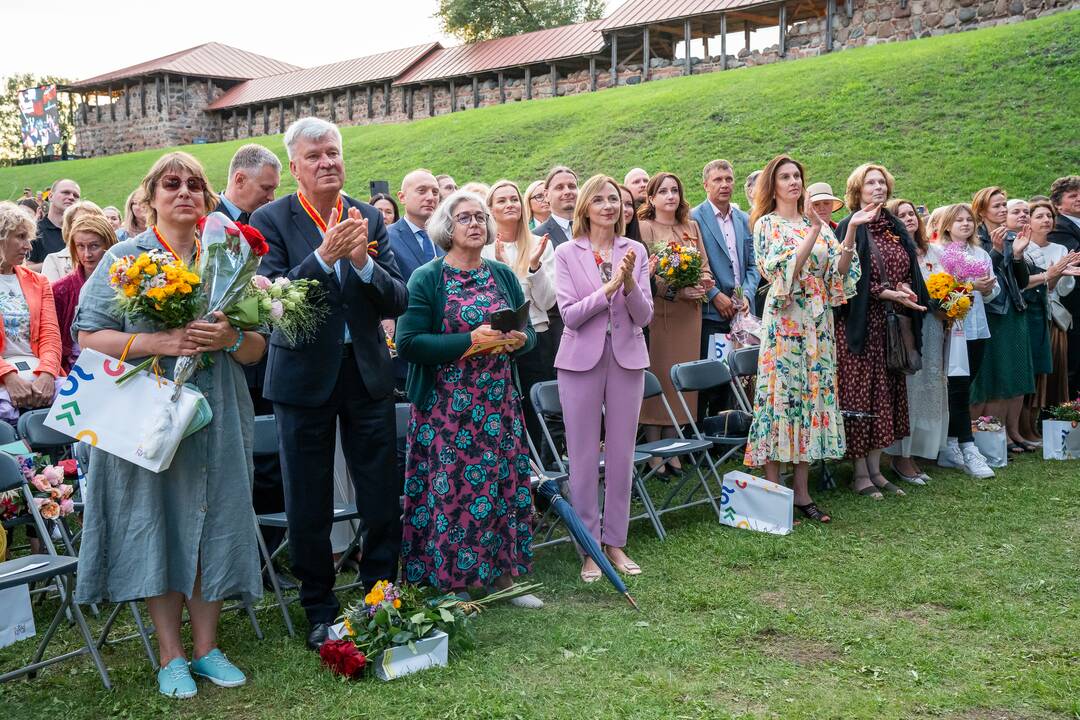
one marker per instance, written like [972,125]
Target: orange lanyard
[315,218]
[167,246]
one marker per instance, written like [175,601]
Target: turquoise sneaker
[174,680]
[216,668]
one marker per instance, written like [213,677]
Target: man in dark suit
[254,176]
[725,232]
[1065,195]
[562,190]
[342,376]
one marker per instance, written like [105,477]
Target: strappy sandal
[869,491]
[886,485]
[626,568]
[813,512]
[590,576]
[1017,448]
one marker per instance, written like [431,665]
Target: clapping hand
[345,238]
[1068,265]
[862,215]
[500,249]
[903,295]
[626,270]
[811,214]
[1021,241]
[538,254]
[997,238]
[984,284]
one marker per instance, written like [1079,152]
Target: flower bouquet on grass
[403,629]
[1061,431]
[678,265]
[285,305]
[1065,412]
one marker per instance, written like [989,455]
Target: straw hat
[823,191]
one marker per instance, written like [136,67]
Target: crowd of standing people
[422,271]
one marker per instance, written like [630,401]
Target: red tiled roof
[541,46]
[634,13]
[212,60]
[373,68]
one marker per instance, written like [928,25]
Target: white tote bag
[16,615]
[136,421]
[754,503]
[1061,440]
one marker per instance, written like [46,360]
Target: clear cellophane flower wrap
[745,326]
[227,263]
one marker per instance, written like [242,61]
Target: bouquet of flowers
[156,286]
[51,494]
[228,261]
[1066,411]
[963,267]
[282,304]
[953,297]
[11,505]
[986,423]
[679,265]
[393,615]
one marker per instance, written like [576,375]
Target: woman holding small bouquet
[184,536]
[682,279]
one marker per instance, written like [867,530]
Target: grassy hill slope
[947,115]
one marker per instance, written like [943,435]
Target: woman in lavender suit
[602,284]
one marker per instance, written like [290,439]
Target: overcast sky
[82,39]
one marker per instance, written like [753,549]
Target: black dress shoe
[318,635]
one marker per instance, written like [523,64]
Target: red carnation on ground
[343,658]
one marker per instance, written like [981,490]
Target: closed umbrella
[549,490]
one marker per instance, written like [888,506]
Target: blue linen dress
[148,533]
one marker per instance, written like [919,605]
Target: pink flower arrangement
[962,266]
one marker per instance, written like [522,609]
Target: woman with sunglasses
[468,509]
[183,536]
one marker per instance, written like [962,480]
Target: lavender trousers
[582,394]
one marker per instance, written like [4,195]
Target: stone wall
[179,116]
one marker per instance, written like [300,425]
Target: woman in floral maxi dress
[796,416]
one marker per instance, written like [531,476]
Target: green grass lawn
[960,601]
[947,115]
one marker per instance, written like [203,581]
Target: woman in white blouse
[532,259]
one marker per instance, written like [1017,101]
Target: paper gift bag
[16,615]
[754,503]
[136,421]
[1061,440]
[994,446]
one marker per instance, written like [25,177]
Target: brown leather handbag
[901,353]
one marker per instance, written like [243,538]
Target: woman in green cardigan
[468,506]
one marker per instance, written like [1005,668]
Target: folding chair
[38,568]
[266,442]
[547,522]
[742,364]
[682,493]
[546,403]
[703,376]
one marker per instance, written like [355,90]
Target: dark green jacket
[420,339]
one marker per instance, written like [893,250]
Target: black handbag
[727,424]
[901,353]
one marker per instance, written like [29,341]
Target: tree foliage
[476,20]
[10,138]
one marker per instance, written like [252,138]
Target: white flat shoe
[919,479]
[527,601]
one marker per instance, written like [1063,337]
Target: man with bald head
[636,181]
[409,240]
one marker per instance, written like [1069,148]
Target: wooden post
[723,41]
[405,100]
[528,83]
[830,10]
[97,109]
[502,87]
[330,106]
[614,82]
[209,91]
[849,7]
[782,24]
[235,125]
[183,94]
[554,81]
[686,40]
[453,97]
[386,99]
[142,96]
[82,106]
[592,74]
[112,106]
[431,100]
[312,107]
[251,129]
[645,54]
[705,42]
[746,34]
[348,104]
[168,98]
[281,116]
[370,101]
[266,119]
[157,95]
[411,90]
[296,109]
[475,92]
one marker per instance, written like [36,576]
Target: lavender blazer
[586,310]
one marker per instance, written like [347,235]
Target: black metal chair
[40,568]
[703,376]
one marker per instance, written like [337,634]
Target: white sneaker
[951,457]
[975,465]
